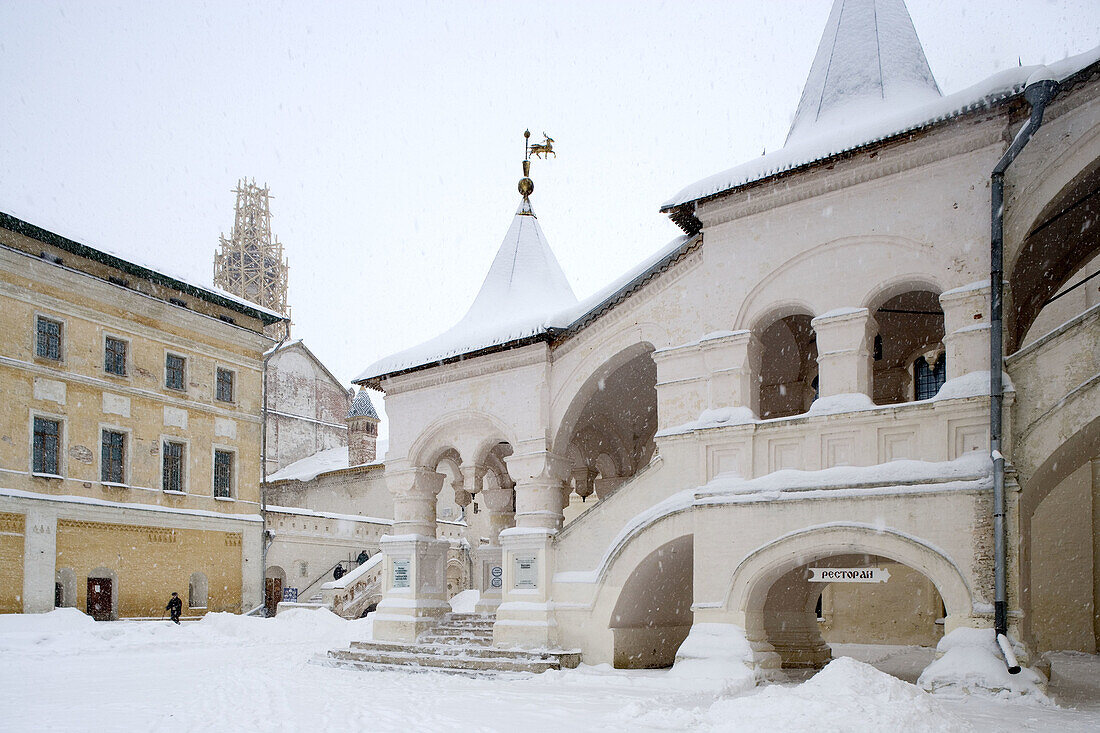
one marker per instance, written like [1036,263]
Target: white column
[490,558]
[733,363]
[845,351]
[39,560]
[415,577]
[252,582]
[966,329]
[525,617]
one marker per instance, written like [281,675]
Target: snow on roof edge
[994,89]
[561,320]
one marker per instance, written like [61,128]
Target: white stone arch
[633,545]
[613,351]
[758,571]
[469,432]
[879,292]
[899,254]
[1051,175]
[589,405]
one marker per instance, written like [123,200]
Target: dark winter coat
[175,606]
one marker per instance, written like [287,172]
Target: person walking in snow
[175,607]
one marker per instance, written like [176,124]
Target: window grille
[929,379]
[173,466]
[113,457]
[47,444]
[48,342]
[225,385]
[114,356]
[223,474]
[173,372]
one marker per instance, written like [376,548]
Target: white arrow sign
[849,575]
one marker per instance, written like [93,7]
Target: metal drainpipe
[264,542]
[1040,89]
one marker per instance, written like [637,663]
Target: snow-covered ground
[64,672]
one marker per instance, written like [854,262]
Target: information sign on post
[400,573]
[497,579]
[290,595]
[526,574]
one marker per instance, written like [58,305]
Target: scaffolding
[250,263]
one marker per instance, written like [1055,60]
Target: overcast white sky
[391,133]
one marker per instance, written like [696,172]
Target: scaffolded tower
[251,264]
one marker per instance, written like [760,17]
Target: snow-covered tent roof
[525,285]
[848,117]
[869,58]
[361,406]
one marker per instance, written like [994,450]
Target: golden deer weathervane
[540,150]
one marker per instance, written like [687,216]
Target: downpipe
[266,536]
[1040,89]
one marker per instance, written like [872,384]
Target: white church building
[800,383]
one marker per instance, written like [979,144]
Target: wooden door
[99,598]
[273,593]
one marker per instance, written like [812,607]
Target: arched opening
[447,506]
[458,578]
[909,358]
[809,620]
[653,616]
[788,366]
[1061,554]
[65,588]
[608,430]
[274,581]
[1063,239]
[197,591]
[1081,292]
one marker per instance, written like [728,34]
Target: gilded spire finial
[539,150]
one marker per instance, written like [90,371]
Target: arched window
[196,591]
[928,379]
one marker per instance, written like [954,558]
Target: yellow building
[130,434]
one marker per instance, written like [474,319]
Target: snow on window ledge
[175,493]
[113,485]
[224,498]
[54,476]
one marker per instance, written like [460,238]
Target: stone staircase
[460,644]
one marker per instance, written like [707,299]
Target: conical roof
[525,277]
[869,60]
[525,286]
[362,406]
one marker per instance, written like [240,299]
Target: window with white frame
[113,457]
[46,447]
[47,343]
[174,459]
[223,474]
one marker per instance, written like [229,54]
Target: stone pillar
[39,560]
[733,363]
[252,571]
[845,351]
[525,617]
[966,329]
[415,578]
[490,558]
[1096,550]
